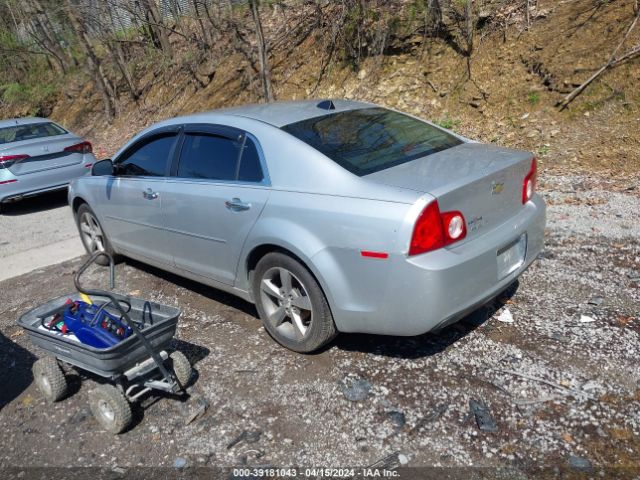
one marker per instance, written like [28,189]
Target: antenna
[326,105]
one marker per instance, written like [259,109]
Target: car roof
[280,114]
[12,122]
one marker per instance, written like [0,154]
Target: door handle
[237,205]
[149,194]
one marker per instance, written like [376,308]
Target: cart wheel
[181,368]
[50,379]
[110,408]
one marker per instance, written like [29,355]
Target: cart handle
[103,293]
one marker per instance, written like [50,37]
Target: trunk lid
[44,154]
[484,182]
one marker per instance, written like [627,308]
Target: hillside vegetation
[495,70]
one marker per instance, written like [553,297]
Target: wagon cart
[132,367]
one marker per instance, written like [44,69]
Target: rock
[596,301]
[397,418]
[634,276]
[483,417]
[245,436]
[201,405]
[362,74]
[579,463]
[586,319]
[179,463]
[356,389]
[474,104]
[505,316]
[80,416]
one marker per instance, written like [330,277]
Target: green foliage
[544,150]
[448,123]
[533,98]
[14,92]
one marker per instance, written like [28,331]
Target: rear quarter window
[368,140]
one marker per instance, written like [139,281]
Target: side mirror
[103,167]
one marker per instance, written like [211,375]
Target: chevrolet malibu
[330,216]
[37,156]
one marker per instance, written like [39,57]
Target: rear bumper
[16,187]
[429,291]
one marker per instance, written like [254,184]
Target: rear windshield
[371,139]
[18,133]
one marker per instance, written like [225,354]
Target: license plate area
[511,257]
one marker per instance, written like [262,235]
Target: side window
[250,169]
[148,158]
[209,157]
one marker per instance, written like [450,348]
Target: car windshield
[18,133]
[368,140]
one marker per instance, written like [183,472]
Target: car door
[132,205]
[216,192]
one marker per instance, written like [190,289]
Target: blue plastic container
[94,326]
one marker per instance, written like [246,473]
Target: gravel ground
[559,385]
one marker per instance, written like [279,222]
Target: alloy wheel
[92,235]
[286,302]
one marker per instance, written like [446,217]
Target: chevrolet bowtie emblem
[497,188]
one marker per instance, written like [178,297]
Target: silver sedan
[330,216]
[38,155]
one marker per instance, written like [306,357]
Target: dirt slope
[518,75]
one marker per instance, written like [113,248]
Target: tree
[265,72]
[157,28]
[93,61]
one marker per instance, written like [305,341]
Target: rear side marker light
[84,147]
[529,183]
[434,230]
[8,181]
[88,165]
[368,254]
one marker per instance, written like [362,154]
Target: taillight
[529,183]
[435,230]
[455,227]
[7,160]
[84,147]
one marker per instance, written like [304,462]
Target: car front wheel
[293,307]
[92,235]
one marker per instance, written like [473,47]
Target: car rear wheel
[293,307]
[92,235]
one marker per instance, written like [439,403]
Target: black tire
[83,210]
[181,368]
[50,379]
[320,328]
[110,408]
